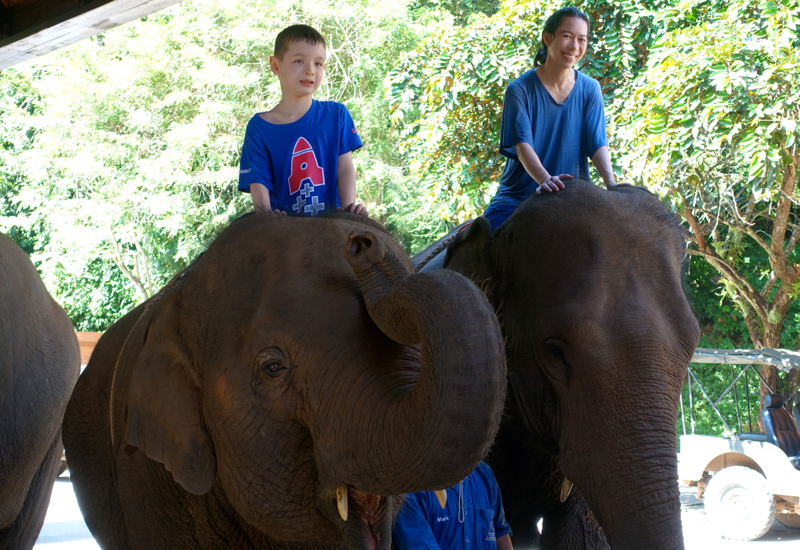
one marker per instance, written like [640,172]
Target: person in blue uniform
[472,518]
[553,120]
[297,158]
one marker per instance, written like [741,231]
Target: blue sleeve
[501,526]
[349,140]
[594,134]
[254,166]
[412,530]
[516,125]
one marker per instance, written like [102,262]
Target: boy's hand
[269,211]
[355,208]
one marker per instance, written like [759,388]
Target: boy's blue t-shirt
[298,162]
[563,135]
[422,524]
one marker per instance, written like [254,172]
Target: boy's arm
[346,182]
[346,179]
[602,161]
[260,196]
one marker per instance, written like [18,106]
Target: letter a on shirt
[304,167]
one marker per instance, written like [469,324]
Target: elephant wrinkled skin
[587,285]
[298,358]
[39,364]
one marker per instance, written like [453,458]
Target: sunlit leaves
[123,150]
[711,124]
[447,94]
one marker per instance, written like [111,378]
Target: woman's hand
[553,183]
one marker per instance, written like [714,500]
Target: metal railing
[783,359]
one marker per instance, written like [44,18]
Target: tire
[792,521]
[738,503]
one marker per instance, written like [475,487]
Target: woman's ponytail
[541,56]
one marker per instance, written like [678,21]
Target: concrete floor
[64,528]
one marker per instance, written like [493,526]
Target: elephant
[39,365]
[587,285]
[284,392]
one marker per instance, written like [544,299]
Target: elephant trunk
[437,421]
[632,488]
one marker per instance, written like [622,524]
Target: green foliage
[719,318]
[460,10]
[447,94]
[711,125]
[719,99]
[716,379]
[121,153]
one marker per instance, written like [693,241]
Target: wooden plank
[87,342]
[64,27]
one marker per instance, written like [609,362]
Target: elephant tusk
[566,489]
[341,501]
[441,496]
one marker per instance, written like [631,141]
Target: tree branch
[120,263]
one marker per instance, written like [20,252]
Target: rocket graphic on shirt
[306,174]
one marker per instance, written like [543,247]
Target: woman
[553,120]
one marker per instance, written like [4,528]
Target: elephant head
[302,375]
[587,284]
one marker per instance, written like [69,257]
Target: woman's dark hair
[551,26]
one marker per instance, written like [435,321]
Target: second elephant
[587,284]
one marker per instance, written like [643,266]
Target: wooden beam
[87,341]
[33,28]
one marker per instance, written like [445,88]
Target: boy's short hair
[293,34]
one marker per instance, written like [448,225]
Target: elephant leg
[571,526]
[22,533]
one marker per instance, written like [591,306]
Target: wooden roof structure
[31,28]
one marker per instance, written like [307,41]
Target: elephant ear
[163,408]
[465,254]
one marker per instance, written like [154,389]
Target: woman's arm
[533,166]
[602,161]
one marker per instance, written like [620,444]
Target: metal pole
[747,390]
[736,400]
[691,405]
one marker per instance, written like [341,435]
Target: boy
[297,158]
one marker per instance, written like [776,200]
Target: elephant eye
[272,367]
[555,361]
[271,361]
